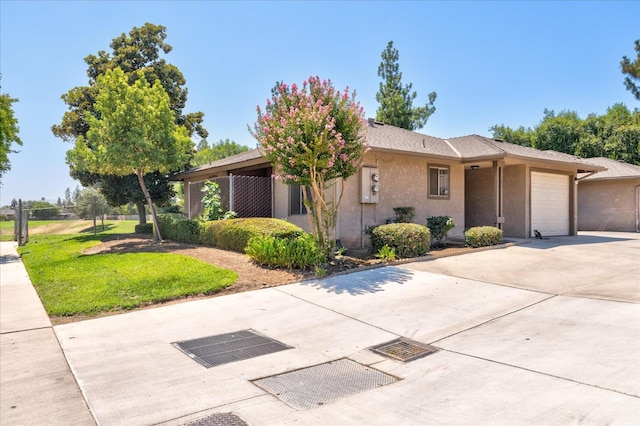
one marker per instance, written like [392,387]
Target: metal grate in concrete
[224,348]
[404,349]
[218,419]
[320,384]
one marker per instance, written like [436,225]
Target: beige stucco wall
[515,201]
[403,183]
[607,205]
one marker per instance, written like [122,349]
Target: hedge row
[230,234]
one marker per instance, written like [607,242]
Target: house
[475,180]
[610,200]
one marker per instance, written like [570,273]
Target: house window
[439,181]
[296,202]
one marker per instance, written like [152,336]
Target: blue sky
[489,62]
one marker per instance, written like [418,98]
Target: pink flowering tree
[313,137]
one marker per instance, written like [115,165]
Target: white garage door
[549,203]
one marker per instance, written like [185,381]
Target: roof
[615,169]
[252,154]
[384,137]
[477,147]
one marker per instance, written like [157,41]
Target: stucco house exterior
[475,180]
[610,200]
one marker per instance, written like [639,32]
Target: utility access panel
[370,185]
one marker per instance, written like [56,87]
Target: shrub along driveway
[507,355]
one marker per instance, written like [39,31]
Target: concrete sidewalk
[508,354]
[36,384]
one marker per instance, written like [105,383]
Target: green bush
[234,234]
[482,236]
[177,227]
[439,226]
[300,252]
[144,228]
[404,214]
[407,239]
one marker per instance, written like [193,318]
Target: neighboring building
[9,214]
[475,180]
[610,200]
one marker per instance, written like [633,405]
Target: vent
[313,386]
[218,419]
[404,350]
[225,348]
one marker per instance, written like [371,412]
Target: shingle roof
[474,146]
[381,136]
[384,136]
[615,169]
[249,155]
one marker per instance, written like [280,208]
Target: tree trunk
[154,216]
[142,212]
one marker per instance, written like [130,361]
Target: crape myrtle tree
[313,137]
[396,100]
[139,50]
[135,133]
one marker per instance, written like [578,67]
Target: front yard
[71,282]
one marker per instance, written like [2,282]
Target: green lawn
[71,283]
[6,230]
[69,227]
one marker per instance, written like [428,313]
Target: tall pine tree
[396,100]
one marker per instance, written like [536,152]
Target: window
[439,181]
[296,202]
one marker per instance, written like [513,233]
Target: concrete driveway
[602,265]
[518,344]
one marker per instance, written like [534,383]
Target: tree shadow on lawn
[359,283]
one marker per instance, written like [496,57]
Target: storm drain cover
[218,419]
[224,348]
[404,349]
[320,384]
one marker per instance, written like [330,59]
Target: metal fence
[248,196]
[21,225]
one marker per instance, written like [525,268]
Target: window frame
[439,168]
[301,208]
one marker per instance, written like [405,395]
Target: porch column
[498,191]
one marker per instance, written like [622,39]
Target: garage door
[549,203]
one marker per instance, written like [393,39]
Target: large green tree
[632,71]
[141,50]
[206,153]
[312,135]
[135,133]
[615,134]
[8,132]
[395,99]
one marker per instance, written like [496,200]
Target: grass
[71,283]
[69,227]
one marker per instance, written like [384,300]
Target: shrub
[386,253]
[482,236]
[234,234]
[404,214]
[144,228]
[407,239]
[177,227]
[439,226]
[299,252]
